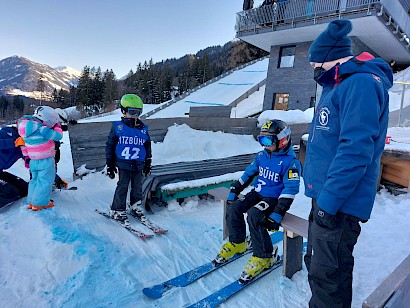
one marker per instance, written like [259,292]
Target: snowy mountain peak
[20,75]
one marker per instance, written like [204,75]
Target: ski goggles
[135,112]
[267,141]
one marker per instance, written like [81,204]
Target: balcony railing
[292,11]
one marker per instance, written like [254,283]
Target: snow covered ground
[69,256]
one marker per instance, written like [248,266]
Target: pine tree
[83,94]
[18,106]
[110,87]
[41,86]
[3,106]
[54,96]
[97,90]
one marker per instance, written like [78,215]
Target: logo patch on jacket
[323,118]
[376,77]
[293,174]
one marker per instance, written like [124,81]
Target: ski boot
[228,250]
[136,211]
[41,207]
[257,265]
[60,183]
[120,216]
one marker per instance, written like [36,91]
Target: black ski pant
[261,242]
[329,258]
[12,188]
[120,196]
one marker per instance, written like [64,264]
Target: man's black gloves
[147,167]
[111,169]
[323,218]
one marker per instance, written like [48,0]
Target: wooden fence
[88,139]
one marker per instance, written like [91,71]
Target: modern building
[286,29]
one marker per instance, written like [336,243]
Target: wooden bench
[394,291]
[395,167]
[294,227]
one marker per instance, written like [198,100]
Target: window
[287,56]
[281,101]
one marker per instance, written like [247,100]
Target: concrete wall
[297,80]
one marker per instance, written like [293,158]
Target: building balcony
[383,25]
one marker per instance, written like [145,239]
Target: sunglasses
[134,111]
[267,141]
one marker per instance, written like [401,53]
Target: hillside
[20,76]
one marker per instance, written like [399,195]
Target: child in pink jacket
[39,132]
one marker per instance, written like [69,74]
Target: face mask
[317,73]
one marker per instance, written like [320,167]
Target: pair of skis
[140,234]
[193,275]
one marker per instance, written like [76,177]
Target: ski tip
[161,232]
[152,293]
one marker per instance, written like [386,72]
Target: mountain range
[20,76]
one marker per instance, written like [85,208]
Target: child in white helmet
[39,132]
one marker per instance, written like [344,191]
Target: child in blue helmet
[276,171]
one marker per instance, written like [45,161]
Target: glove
[64,127]
[111,170]
[271,224]
[19,142]
[147,167]
[26,162]
[323,218]
[236,189]
[72,122]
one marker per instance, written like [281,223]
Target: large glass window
[287,56]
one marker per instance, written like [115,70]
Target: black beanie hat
[333,43]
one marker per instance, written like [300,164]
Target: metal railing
[296,10]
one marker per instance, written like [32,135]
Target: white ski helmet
[47,115]
[62,114]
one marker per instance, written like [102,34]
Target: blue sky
[113,34]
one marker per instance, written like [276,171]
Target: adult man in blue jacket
[346,141]
[277,176]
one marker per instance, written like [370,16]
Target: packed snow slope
[69,256]
[219,93]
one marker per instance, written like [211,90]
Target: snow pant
[125,177]
[12,188]
[43,172]
[329,258]
[261,242]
